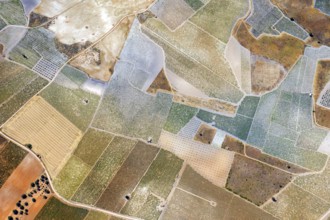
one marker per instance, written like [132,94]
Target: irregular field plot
[255,181]
[93,215]
[104,170]
[213,84]
[313,20]
[92,145]
[127,177]
[50,133]
[323,5]
[71,176]
[218,18]
[157,182]
[54,209]
[295,203]
[74,103]
[10,157]
[284,49]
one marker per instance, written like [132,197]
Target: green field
[178,117]
[71,176]
[65,95]
[92,145]
[12,11]
[19,99]
[219,17]
[10,157]
[104,170]
[56,210]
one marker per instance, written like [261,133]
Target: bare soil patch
[205,134]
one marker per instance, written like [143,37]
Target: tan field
[51,135]
[99,61]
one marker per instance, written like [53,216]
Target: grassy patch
[92,145]
[195,4]
[71,176]
[54,209]
[178,117]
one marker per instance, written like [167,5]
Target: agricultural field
[182,57]
[323,5]
[321,78]
[178,117]
[12,12]
[126,110]
[239,125]
[10,156]
[10,37]
[196,198]
[55,209]
[19,184]
[311,19]
[13,76]
[50,133]
[283,49]
[296,203]
[104,170]
[173,13]
[229,12]
[248,176]
[154,187]
[68,95]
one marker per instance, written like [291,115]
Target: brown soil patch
[311,19]
[71,50]
[205,134]
[255,181]
[265,76]
[37,20]
[321,78]
[145,16]
[233,144]
[284,165]
[3,143]
[18,184]
[284,49]
[207,104]
[127,177]
[160,83]
[1,49]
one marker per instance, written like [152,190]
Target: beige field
[98,17]
[99,61]
[52,136]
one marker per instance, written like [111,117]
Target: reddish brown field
[284,49]
[18,183]
[310,18]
